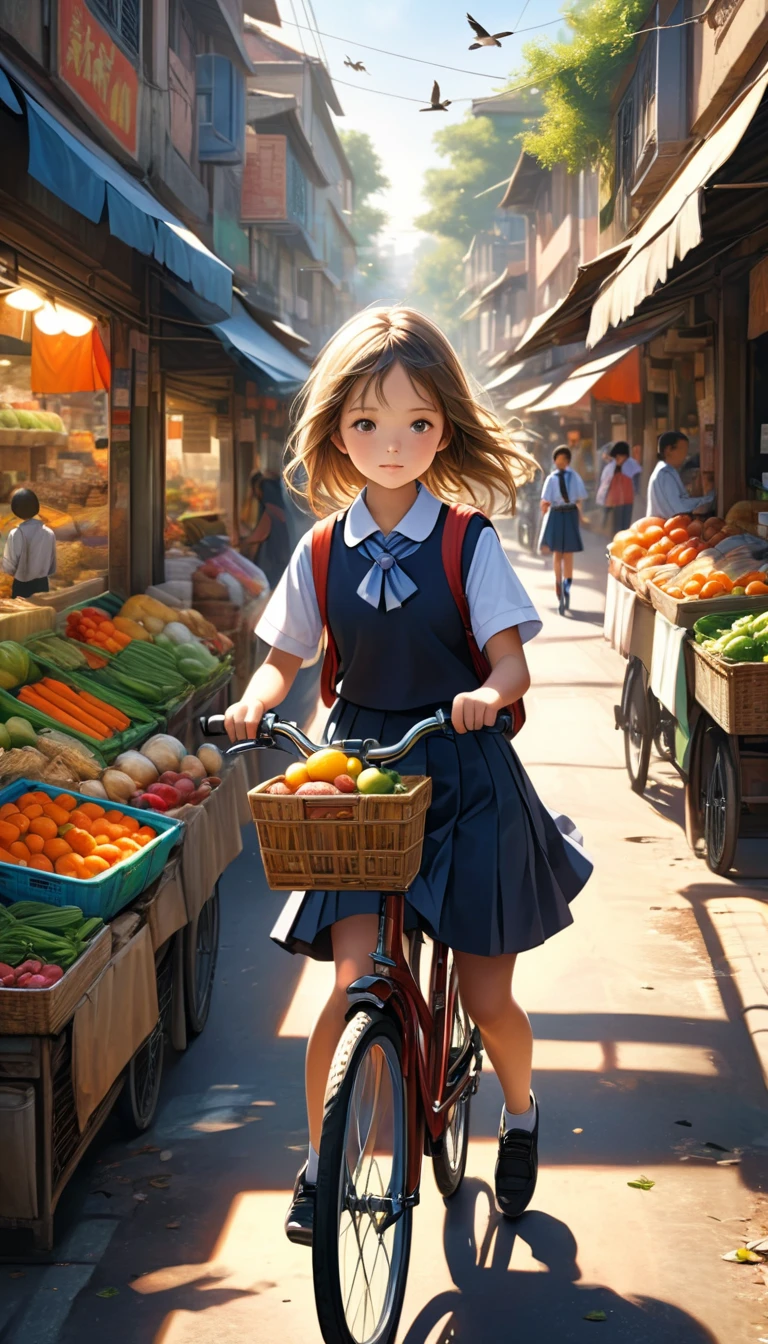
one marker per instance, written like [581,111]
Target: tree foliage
[437,280]
[577,76]
[480,151]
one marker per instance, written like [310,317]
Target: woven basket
[43,1012]
[735,695]
[686,612]
[365,842]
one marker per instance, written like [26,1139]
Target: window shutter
[220,110]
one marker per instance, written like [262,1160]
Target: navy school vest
[415,655]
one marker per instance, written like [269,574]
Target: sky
[435,31]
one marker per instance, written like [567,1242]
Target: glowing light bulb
[25,300]
[48,320]
[74,323]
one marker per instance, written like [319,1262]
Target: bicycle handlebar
[368,749]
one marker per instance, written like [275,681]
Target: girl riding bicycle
[389,432]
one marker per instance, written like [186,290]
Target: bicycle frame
[426,1037]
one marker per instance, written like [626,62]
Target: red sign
[94,67]
[264,181]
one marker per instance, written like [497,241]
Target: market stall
[114,833]
[687,605]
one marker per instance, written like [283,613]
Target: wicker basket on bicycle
[368,842]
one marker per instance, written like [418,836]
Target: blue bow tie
[385,571]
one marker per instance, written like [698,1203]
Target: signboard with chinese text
[94,67]
[264,178]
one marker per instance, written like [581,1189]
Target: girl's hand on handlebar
[473,710]
[243,719]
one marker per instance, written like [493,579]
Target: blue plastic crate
[111,891]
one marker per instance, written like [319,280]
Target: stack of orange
[718,584]
[92,626]
[65,836]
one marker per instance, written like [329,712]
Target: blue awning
[247,341]
[88,179]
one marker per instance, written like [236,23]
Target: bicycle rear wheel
[362,1233]
[449,1155]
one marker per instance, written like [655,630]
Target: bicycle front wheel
[362,1233]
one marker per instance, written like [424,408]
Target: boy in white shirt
[30,551]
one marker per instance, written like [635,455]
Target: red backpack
[457,521]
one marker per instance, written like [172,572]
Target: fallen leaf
[140,1198]
[718,1146]
[742,1256]
[166,1155]
[173,1226]
[728,1162]
[642,1183]
[646,986]
[686,1123]
[578,1131]
[761,1245]
[595,1316]
[160,1182]
[108,1292]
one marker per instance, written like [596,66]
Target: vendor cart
[145,981]
[714,725]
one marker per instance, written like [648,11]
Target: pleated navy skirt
[498,870]
[561,531]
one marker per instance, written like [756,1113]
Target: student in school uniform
[561,498]
[616,491]
[389,433]
[30,551]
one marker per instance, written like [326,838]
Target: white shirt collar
[417,524]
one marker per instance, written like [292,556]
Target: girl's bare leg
[568,565]
[485,984]
[557,563]
[354,938]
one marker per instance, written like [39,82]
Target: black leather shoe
[300,1217]
[517,1167]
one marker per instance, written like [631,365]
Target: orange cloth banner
[622,382]
[62,364]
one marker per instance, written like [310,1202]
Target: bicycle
[400,1087]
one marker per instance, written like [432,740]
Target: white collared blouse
[497,599]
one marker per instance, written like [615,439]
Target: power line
[314,20]
[385,93]
[313,30]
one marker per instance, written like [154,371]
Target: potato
[317,788]
[280,787]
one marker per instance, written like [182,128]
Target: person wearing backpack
[616,491]
[422,610]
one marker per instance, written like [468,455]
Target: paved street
[638,1028]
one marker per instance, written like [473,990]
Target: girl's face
[391,438]
[562,463]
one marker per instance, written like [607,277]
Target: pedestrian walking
[667,494]
[30,551]
[616,491]
[561,497]
[390,433]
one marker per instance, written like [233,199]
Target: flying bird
[436,104]
[484,39]
[356,65]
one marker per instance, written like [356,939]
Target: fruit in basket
[325,765]
[296,775]
[345,784]
[354,767]
[374,780]
[757,588]
[317,788]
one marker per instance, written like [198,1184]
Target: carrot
[88,704]
[53,712]
[71,707]
[109,709]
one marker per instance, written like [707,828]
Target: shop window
[123,17]
[220,110]
[198,468]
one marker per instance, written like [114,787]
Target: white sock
[310,1176]
[526,1121]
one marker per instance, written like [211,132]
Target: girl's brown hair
[479,464]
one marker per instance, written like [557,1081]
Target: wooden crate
[687,612]
[735,695]
[43,1012]
[369,842]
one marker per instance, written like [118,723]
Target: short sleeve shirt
[575,486]
[496,597]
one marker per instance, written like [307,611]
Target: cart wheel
[722,808]
[138,1100]
[663,729]
[638,729]
[695,799]
[201,949]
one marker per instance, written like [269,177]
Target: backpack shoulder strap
[322,540]
[457,521]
